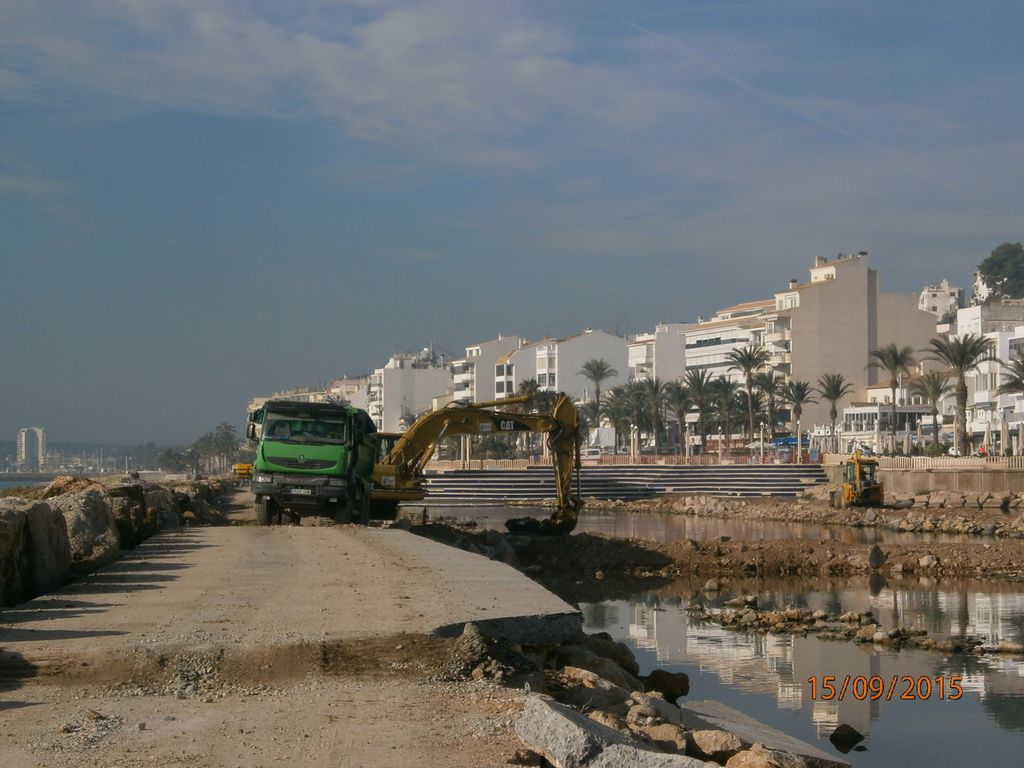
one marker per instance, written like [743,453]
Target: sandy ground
[247,646]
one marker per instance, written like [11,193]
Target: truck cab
[305,459]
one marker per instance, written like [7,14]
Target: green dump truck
[308,461]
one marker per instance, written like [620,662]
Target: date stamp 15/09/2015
[875,687]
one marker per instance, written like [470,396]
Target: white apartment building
[940,299]
[555,364]
[475,375]
[658,355]
[708,343]
[987,411]
[406,386]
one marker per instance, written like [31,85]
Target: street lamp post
[719,445]
[762,443]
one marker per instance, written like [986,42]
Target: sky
[203,201]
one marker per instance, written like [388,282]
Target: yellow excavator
[399,460]
[861,486]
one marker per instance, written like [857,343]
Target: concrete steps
[625,482]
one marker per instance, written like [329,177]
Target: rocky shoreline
[588,706]
[53,534]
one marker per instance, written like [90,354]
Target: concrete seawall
[920,481]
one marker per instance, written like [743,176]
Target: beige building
[833,323]
[658,355]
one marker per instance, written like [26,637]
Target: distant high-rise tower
[23,459]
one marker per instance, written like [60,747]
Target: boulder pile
[72,526]
[589,707]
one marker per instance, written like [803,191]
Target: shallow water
[768,676]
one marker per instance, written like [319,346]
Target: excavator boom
[398,474]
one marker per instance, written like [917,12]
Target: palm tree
[798,394]
[677,398]
[597,371]
[655,393]
[616,409]
[698,383]
[590,418]
[726,391]
[771,386]
[748,360]
[528,388]
[932,386]
[636,395]
[895,361]
[1013,383]
[960,355]
[833,387]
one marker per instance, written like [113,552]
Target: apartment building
[658,355]
[940,298]
[405,387]
[555,364]
[832,323]
[708,343]
[475,375]
[352,389]
[1003,323]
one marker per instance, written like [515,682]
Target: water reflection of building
[782,665]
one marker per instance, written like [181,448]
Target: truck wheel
[364,508]
[343,511]
[262,510]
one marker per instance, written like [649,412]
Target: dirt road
[246,646]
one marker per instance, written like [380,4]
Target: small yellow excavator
[399,460]
[861,486]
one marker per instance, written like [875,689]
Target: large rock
[92,528]
[34,553]
[15,554]
[628,756]
[876,557]
[672,685]
[565,738]
[51,552]
[603,645]
[134,525]
[575,656]
[164,504]
[760,757]
[568,739]
[586,690]
[651,705]
[715,744]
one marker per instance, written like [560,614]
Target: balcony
[777,337]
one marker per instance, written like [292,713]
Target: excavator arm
[398,474]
